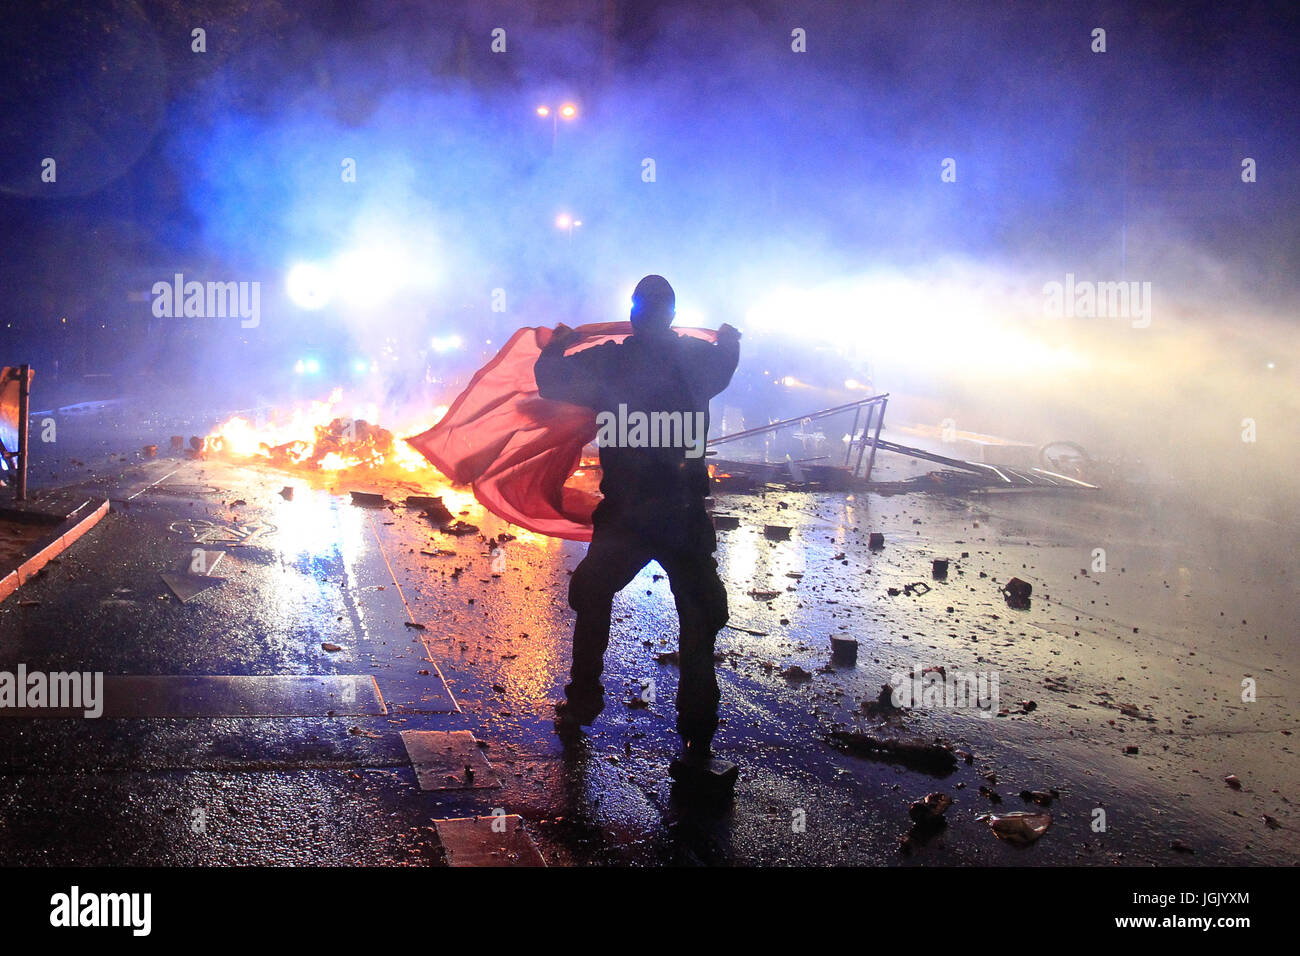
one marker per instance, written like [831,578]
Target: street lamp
[567,110]
[567,223]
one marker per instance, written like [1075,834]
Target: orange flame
[320,436]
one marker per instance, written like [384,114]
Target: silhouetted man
[654,491]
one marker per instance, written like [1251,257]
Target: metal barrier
[868,419]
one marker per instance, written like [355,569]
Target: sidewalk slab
[448,760]
[498,840]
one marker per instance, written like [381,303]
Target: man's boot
[579,709]
[698,772]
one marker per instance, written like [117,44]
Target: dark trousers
[683,542]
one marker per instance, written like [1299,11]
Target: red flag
[517,449]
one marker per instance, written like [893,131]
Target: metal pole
[853,434]
[862,445]
[884,404]
[24,411]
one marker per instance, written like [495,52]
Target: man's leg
[702,608]
[612,560]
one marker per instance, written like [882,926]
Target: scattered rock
[1017,593]
[844,649]
[934,758]
[1019,828]
[929,809]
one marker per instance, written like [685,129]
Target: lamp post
[567,223]
[566,110]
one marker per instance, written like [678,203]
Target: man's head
[653,305]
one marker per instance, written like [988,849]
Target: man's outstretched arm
[568,378]
[721,360]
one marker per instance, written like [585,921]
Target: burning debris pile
[314,438]
[339,444]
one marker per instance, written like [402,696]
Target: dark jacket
[663,373]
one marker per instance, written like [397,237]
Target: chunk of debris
[432,507]
[930,808]
[883,705]
[726,522]
[844,649]
[461,528]
[287,492]
[759,594]
[414,625]
[332,648]
[368,499]
[939,569]
[1019,828]
[796,673]
[875,541]
[1017,593]
[1041,797]
[934,758]
[776,532]
[1232,781]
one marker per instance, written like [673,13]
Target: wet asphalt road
[323,789]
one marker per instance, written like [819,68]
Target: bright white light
[446,343]
[563,221]
[309,286]
[384,260]
[543,111]
[369,277]
[962,323]
[690,317]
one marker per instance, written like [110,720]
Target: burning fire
[318,436]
